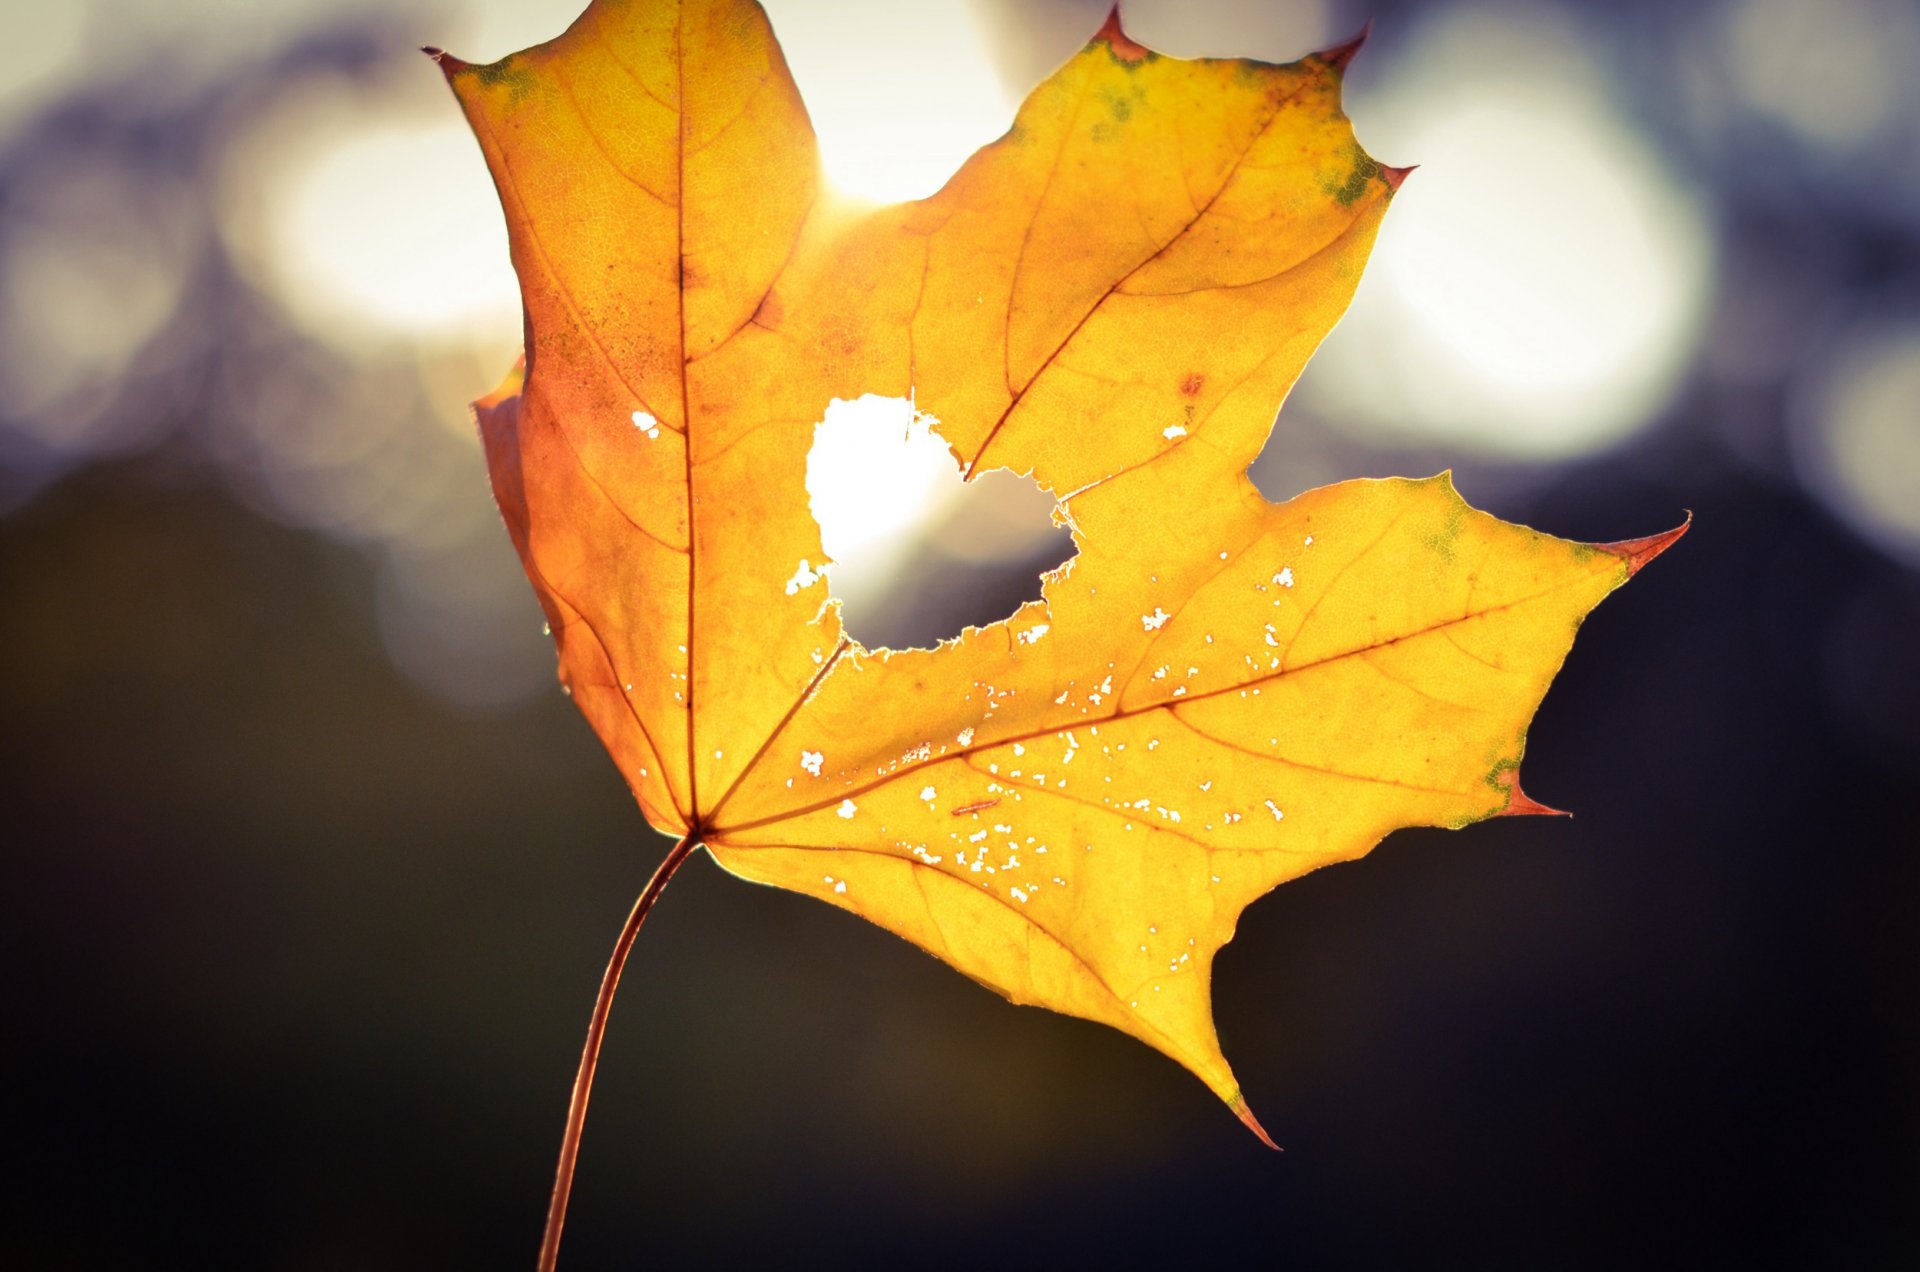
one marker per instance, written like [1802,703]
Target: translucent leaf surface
[1216,695]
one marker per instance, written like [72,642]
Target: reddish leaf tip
[1521,804]
[447,62]
[1637,552]
[1395,176]
[1240,1110]
[1117,40]
[1341,54]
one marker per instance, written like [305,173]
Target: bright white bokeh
[899,94]
[1857,443]
[369,219]
[1542,279]
[1262,29]
[373,217]
[482,31]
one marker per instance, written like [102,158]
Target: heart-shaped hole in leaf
[915,555]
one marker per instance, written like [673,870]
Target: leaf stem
[590,1054]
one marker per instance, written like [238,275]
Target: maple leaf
[1216,694]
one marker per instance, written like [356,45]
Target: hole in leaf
[917,554]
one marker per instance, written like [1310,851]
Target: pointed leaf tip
[1637,552]
[449,65]
[1341,54]
[1240,1110]
[1521,804]
[1394,177]
[1117,40]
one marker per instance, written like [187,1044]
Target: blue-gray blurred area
[312,870]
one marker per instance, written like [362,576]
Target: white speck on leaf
[805,576]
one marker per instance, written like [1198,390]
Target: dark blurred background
[314,870]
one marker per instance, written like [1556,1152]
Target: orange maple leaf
[1215,695]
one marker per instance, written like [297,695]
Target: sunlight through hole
[916,554]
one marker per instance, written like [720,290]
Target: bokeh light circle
[371,217]
[1542,279]
[1857,433]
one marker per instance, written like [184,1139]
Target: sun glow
[893,122]
[1543,276]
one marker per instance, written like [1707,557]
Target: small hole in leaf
[917,554]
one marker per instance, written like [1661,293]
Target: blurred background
[315,870]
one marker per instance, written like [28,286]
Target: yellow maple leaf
[1216,694]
